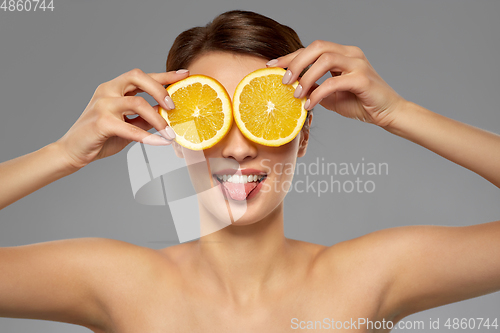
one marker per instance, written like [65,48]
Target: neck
[246,260]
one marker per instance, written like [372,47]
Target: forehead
[227,68]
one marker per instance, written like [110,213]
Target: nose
[237,146]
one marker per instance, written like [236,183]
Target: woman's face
[235,152]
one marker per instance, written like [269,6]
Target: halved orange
[202,114]
[265,109]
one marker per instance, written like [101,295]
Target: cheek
[282,164]
[285,156]
[284,169]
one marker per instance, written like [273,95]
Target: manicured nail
[287,77]
[168,133]
[169,103]
[271,63]
[298,91]
[156,140]
[182,71]
[307,104]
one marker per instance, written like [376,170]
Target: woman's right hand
[103,128]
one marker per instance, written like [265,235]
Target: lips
[240,184]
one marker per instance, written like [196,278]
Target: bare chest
[313,307]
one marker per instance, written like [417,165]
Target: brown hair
[236,31]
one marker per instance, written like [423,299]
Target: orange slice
[265,109]
[202,114]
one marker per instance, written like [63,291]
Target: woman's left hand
[355,90]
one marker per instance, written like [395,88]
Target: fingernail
[182,71]
[271,63]
[156,140]
[306,105]
[168,133]
[298,91]
[169,103]
[287,77]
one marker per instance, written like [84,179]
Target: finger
[137,105]
[327,62]
[169,77]
[133,133]
[151,84]
[283,61]
[312,52]
[355,84]
[139,122]
[347,50]
[321,47]
[314,86]
[164,78]
[134,92]
[168,132]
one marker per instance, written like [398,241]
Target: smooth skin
[250,278]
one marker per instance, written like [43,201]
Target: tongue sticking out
[239,191]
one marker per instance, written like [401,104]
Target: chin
[252,216]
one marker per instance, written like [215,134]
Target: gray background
[441,54]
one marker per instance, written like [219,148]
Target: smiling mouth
[240,187]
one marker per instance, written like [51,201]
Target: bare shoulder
[380,247]
[381,252]
[133,279]
[124,263]
[368,264]
[113,264]
[105,254]
[74,280]
[390,262]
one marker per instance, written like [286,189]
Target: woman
[248,276]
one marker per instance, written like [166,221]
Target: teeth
[240,179]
